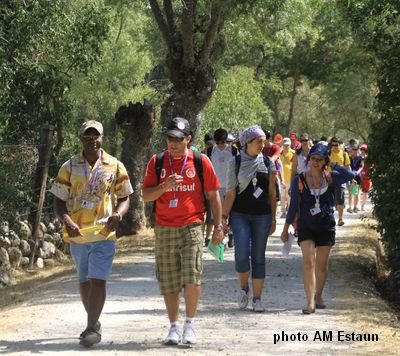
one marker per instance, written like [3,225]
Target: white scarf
[249,166]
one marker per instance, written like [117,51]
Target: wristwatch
[219,227]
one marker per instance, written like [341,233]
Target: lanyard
[183,165]
[318,195]
[88,182]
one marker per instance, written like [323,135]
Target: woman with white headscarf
[250,204]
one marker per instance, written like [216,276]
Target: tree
[191,31]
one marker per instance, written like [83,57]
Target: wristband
[219,227]
[119,214]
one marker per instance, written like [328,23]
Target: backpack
[238,160]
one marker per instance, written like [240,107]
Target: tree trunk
[136,122]
[296,83]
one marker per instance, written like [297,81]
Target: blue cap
[320,150]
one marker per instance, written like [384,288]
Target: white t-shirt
[220,160]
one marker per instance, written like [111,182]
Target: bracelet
[119,214]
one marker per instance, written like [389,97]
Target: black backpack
[238,160]
[235,151]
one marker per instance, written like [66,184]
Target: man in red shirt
[180,207]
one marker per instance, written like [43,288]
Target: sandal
[308,311]
[320,306]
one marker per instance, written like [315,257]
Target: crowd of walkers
[240,182]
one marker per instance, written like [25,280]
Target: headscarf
[250,134]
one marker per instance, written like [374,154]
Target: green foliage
[236,103]
[43,44]
[378,23]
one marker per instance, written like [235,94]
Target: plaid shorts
[179,253]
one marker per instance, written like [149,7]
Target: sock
[189,320]
[254,299]
[246,289]
[174,323]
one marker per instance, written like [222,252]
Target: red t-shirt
[273,150]
[191,205]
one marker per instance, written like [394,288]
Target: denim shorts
[93,260]
[250,234]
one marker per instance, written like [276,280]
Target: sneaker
[174,336]
[362,207]
[349,210]
[257,306]
[189,336]
[243,299]
[89,337]
[355,210]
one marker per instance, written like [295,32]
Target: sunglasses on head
[175,139]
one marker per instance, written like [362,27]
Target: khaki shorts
[179,253]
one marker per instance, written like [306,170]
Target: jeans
[250,234]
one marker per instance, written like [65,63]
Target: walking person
[312,210]
[287,162]
[180,206]
[84,194]
[250,204]
[356,165]
[340,157]
[299,164]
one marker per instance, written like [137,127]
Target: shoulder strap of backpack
[301,182]
[234,150]
[159,165]
[238,160]
[209,151]
[198,164]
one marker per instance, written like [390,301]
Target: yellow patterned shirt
[91,193]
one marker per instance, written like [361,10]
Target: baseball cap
[286,141]
[278,138]
[98,126]
[319,150]
[230,138]
[179,127]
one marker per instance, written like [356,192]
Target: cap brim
[91,127]
[176,133]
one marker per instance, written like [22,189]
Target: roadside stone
[58,240]
[25,248]
[48,237]
[42,227]
[51,229]
[25,231]
[39,263]
[15,240]
[15,256]
[49,263]
[4,258]
[4,228]
[24,262]
[60,256]
[48,249]
[5,242]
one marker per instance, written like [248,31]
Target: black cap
[179,127]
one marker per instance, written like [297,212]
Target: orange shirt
[191,205]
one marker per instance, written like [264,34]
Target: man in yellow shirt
[340,157]
[91,194]
[287,161]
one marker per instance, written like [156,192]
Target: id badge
[315,211]
[87,204]
[173,203]
[257,193]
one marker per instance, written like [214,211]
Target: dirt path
[134,319]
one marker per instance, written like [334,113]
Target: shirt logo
[163,173]
[190,173]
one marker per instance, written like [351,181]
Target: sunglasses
[175,139]
[304,140]
[334,144]
[90,137]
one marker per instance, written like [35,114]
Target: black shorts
[320,237]
[339,195]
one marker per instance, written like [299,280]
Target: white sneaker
[189,336]
[174,336]
[243,299]
[258,307]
